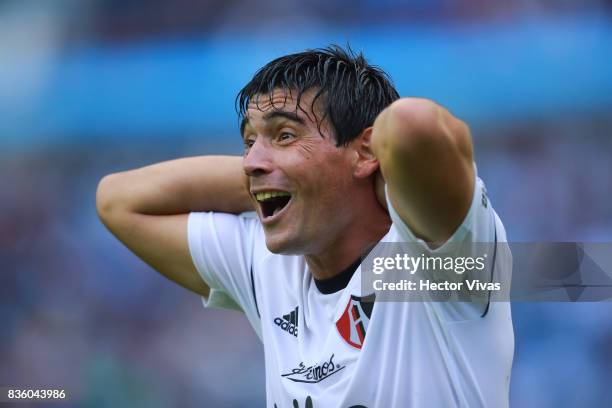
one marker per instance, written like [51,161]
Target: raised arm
[425,156]
[147,209]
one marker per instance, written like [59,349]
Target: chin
[282,245]
[277,247]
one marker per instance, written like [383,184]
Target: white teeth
[270,194]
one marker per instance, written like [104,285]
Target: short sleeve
[480,230]
[222,249]
[477,226]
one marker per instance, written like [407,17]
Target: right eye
[249,141]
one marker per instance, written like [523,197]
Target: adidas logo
[289,322]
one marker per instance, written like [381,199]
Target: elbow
[414,112]
[413,122]
[412,126]
[106,198]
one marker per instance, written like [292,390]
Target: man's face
[300,181]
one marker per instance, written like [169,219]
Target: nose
[258,160]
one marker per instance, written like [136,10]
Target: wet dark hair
[351,92]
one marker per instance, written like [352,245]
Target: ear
[365,163]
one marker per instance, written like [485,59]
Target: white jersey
[386,354]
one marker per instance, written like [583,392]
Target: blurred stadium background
[89,87]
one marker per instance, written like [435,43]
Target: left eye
[285,136]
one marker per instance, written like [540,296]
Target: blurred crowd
[116,20]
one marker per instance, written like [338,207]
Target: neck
[344,249]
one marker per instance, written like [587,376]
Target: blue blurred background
[89,87]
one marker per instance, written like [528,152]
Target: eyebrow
[275,114]
[292,116]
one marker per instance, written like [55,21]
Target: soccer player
[333,161]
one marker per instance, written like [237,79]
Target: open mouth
[272,202]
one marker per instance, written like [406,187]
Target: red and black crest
[353,324]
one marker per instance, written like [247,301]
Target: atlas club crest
[353,323]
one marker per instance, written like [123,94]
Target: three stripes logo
[289,322]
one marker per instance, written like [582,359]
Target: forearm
[204,183]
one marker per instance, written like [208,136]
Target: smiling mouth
[272,202]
